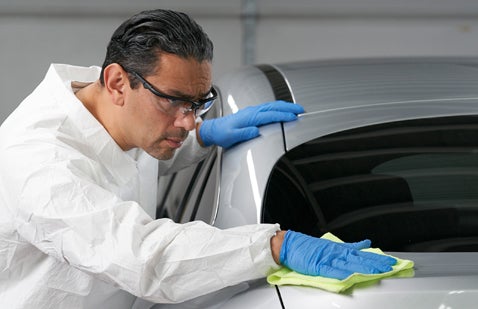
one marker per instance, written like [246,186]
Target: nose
[186,121]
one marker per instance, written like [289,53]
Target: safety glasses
[182,105]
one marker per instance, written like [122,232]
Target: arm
[82,211]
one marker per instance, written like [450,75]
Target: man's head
[139,41]
[156,64]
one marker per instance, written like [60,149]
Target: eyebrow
[173,92]
[177,93]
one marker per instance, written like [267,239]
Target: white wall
[34,33]
[355,37]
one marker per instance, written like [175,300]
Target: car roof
[322,85]
[349,93]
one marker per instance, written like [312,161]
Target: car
[387,149]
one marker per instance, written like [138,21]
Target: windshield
[407,186]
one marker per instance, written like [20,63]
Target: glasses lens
[176,106]
[201,110]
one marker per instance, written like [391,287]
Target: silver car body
[337,95]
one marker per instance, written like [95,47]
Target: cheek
[148,124]
[155,126]
[148,116]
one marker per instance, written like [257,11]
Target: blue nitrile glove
[242,126]
[321,257]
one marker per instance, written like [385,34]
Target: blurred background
[35,33]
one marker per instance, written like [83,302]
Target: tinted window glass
[407,186]
[190,194]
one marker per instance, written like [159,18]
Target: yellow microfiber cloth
[403,268]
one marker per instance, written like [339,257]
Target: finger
[331,272]
[281,106]
[263,118]
[361,266]
[378,258]
[245,134]
[381,265]
[364,244]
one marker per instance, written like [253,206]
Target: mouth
[174,142]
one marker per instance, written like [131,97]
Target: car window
[200,203]
[177,191]
[190,194]
[407,186]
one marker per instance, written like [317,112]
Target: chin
[162,154]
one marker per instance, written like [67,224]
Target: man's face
[150,122]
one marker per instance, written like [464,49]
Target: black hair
[139,41]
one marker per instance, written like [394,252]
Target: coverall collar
[119,163]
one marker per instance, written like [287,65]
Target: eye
[176,103]
[181,104]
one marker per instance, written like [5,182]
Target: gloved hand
[321,257]
[242,126]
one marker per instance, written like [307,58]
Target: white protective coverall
[76,227]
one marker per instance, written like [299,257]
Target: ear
[116,81]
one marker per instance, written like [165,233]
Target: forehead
[186,75]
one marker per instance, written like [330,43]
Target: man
[78,162]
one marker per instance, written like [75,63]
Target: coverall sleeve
[66,211]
